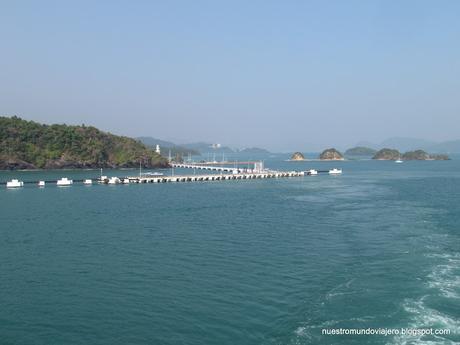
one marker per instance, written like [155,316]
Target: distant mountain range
[410,144]
[203,147]
[195,148]
[149,141]
[254,150]
[167,147]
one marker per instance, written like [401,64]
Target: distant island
[393,154]
[422,155]
[297,156]
[360,151]
[413,144]
[387,154]
[204,148]
[254,150]
[196,149]
[331,154]
[31,145]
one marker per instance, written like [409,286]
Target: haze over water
[285,75]
[233,262]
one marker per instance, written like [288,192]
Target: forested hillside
[30,145]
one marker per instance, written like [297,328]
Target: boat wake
[444,286]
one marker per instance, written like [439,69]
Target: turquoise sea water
[234,262]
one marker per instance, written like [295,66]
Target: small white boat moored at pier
[335,171]
[114,180]
[153,174]
[14,184]
[64,182]
[225,173]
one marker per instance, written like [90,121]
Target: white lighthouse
[157,149]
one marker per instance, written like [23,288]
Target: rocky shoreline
[17,164]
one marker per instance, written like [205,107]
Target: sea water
[276,261]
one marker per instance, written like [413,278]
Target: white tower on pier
[157,149]
[259,167]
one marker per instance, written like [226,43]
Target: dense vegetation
[387,154]
[28,145]
[360,151]
[422,155]
[415,155]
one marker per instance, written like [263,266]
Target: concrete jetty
[205,167]
[221,174]
[214,177]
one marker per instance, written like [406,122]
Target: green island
[393,154]
[360,151]
[31,145]
[422,155]
[254,150]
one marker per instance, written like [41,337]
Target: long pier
[205,167]
[234,163]
[176,178]
[231,174]
[215,177]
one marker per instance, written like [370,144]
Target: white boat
[103,179]
[312,172]
[335,171]
[114,180]
[399,160]
[64,182]
[153,174]
[88,182]
[41,183]
[126,181]
[14,184]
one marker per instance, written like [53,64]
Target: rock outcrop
[331,155]
[297,156]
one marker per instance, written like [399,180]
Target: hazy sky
[283,75]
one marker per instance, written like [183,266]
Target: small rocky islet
[297,156]
[383,154]
[331,154]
